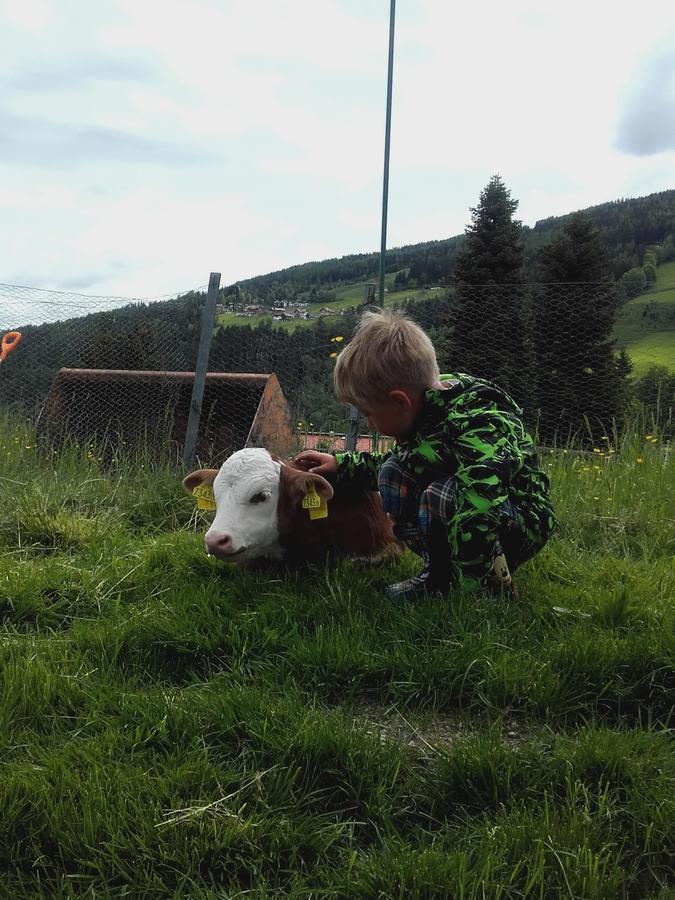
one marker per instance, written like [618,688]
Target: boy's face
[395,415]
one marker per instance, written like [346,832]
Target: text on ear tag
[204,496]
[311,500]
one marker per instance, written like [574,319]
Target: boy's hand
[320,463]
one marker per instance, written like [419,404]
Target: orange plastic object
[9,342]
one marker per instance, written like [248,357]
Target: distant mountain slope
[628,227]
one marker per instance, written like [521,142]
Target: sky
[145,144]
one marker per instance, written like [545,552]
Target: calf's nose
[218,543]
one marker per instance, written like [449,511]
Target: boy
[462,483]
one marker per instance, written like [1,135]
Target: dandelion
[639,460]
[338,339]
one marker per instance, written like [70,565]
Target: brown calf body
[356,525]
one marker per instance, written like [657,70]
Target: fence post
[352,428]
[208,317]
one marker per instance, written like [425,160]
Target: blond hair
[388,351]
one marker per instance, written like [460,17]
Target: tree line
[537,321]
[629,229]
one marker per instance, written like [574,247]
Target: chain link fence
[120,372]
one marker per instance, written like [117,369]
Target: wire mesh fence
[120,372]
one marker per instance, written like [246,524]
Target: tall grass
[170,726]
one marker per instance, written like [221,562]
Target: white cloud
[148,143]
[647,122]
[31,15]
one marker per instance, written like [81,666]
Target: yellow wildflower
[639,460]
[333,355]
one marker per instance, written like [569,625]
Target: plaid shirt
[472,432]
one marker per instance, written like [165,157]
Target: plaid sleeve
[359,470]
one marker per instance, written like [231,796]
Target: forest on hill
[628,227]
[533,309]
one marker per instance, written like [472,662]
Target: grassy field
[347,296]
[646,324]
[172,727]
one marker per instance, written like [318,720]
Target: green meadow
[645,326]
[347,297]
[175,727]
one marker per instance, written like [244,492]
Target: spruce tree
[579,382]
[490,319]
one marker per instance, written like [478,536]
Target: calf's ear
[201,476]
[295,484]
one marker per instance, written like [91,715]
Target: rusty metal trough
[151,408]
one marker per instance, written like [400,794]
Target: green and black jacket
[473,432]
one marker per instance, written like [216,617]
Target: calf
[260,513]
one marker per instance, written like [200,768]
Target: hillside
[164,335]
[628,227]
[645,326]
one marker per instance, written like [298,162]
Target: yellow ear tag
[205,497]
[317,506]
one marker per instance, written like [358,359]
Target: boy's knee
[438,501]
[396,489]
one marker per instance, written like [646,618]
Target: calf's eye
[260,498]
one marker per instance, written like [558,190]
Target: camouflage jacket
[473,432]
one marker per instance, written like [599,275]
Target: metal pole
[208,317]
[353,416]
[387,141]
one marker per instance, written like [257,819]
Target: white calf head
[247,490]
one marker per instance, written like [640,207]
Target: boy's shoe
[498,590]
[499,582]
[415,588]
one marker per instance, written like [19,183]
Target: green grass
[645,326]
[173,727]
[656,349]
[347,297]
